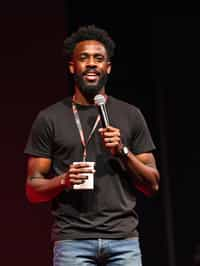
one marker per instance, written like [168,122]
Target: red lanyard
[80,129]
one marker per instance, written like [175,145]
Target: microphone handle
[104,115]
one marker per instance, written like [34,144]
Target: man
[91,226]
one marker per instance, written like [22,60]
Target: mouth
[91,76]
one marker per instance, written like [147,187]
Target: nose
[91,61]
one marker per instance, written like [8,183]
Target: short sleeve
[142,139]
[40,138]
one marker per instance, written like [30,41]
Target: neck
[81,99]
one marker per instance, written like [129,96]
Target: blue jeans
[119,252]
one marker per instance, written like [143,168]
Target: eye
[83,57]
[99,58]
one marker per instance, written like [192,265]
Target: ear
[71,67]
[109,66]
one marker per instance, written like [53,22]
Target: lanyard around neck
[80,129]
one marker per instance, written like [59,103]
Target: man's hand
[77,173]
[111,138]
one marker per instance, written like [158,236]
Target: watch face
[125,150]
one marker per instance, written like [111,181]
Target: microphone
[100,101]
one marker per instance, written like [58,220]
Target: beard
[90,90]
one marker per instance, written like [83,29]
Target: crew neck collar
[87,105]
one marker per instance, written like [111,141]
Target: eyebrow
[95,54]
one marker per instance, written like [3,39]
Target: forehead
[90,47]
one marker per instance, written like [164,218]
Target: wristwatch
[124,151]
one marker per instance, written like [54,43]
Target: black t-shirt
[108,211]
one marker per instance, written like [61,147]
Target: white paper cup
[89,182]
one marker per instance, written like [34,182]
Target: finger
[87,170]
[76,167]
[80,164]
[111,145]
[77,181]
[102,130]
[112,133]
[111,129]
[78,177]
[112,140]
[74,171]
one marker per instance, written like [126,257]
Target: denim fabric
[119,252]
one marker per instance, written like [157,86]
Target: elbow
[30,195]
[154,184]
[153,190]
[148,191]
[34,197]
[149,187]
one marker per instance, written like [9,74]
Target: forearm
[39,189]
[146,175]
[142,166]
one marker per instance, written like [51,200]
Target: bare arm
[38,187]
[145,171]
[142,166]
[41,189]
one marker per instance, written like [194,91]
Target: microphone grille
[99,99]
